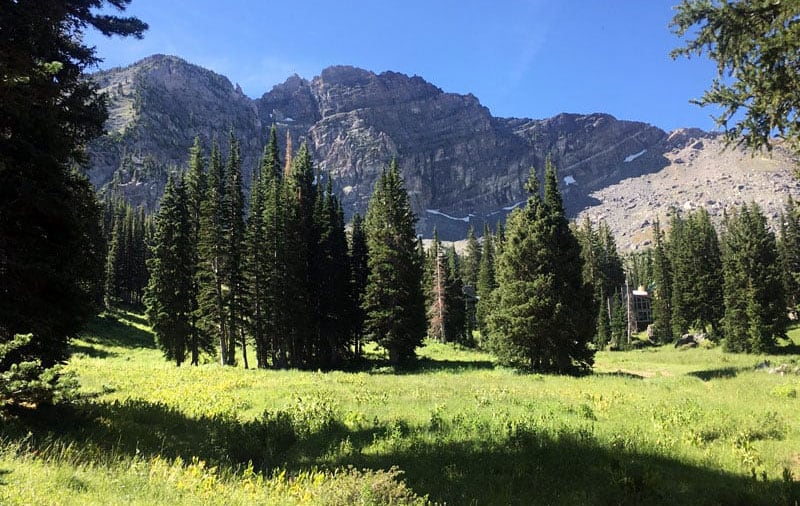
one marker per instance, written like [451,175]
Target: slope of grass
[656,426]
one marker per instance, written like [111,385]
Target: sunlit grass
[650,426]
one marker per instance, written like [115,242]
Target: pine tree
[789,252]
[256,262]
[544,317]
[455,317]
[437,297]
[212,303]
[662,279]
[196,181]
[619,323]
[360,273]
[755,304]
[486,282]
[234,247]
[168,298]
[393,301]
[472,259]
[696,274]
[603,334]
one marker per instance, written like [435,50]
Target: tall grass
[694,426]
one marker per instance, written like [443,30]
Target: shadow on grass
[90,351]
[621,374]
[456,463]
[109,330]
[712,374]
[3,473]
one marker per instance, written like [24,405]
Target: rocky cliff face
[462,166]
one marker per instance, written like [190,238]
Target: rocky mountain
[462,165]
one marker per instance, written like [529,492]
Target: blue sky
[523,58]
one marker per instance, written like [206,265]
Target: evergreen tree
[360,273]
[603,334]
[755,305]
[257,259]
[437,287]
[394,302]
[756,47]
[455,317]
[544,317]
[696,274]
[486,282]
[52,251]
[472,259]
[196,181]
[619,323]
[168,298]
[233,267]
[212,303]
[789,252]
[662,280]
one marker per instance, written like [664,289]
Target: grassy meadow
[654,426]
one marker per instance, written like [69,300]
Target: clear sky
[523,58]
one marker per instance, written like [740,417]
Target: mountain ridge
[461,164]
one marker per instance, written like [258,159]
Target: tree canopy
[756,45]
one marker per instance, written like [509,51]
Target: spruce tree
[619,323]
[662,280]
[360,273]
[544,318]
[455,317]
[486,282]
[436,291]
[755,304]
[168,297]
[789,252]
[394,302]
[603,334]
[212,303]
[196,181]
[472,259]
[233,267]
[256,262]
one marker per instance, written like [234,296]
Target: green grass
[654,426]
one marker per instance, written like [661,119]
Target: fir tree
[755,304]
[619,323]
[360,273]
[603,334]
[789,252]
[486,282]
[437,296]
[394,302]
[662,280]
[455,317]
[233,267]
[472,259]
[212,308]
[196,181]
[544,317]
[257,259]
[168,298]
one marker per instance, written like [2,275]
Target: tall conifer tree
[394,302]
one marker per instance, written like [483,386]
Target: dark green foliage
[756,45]
[126,270]
[360,272]
[696,274]
[455,318]
[544,317]
[27,382]
[662,283]
[619,323]
[789,252]
[602,336]
[234,234]
[472,259]
[639,268]
[51,244]
[486,281]
[755,305]
[435,281]
[212,248]
[394,302]
[196,182]
[169,293]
